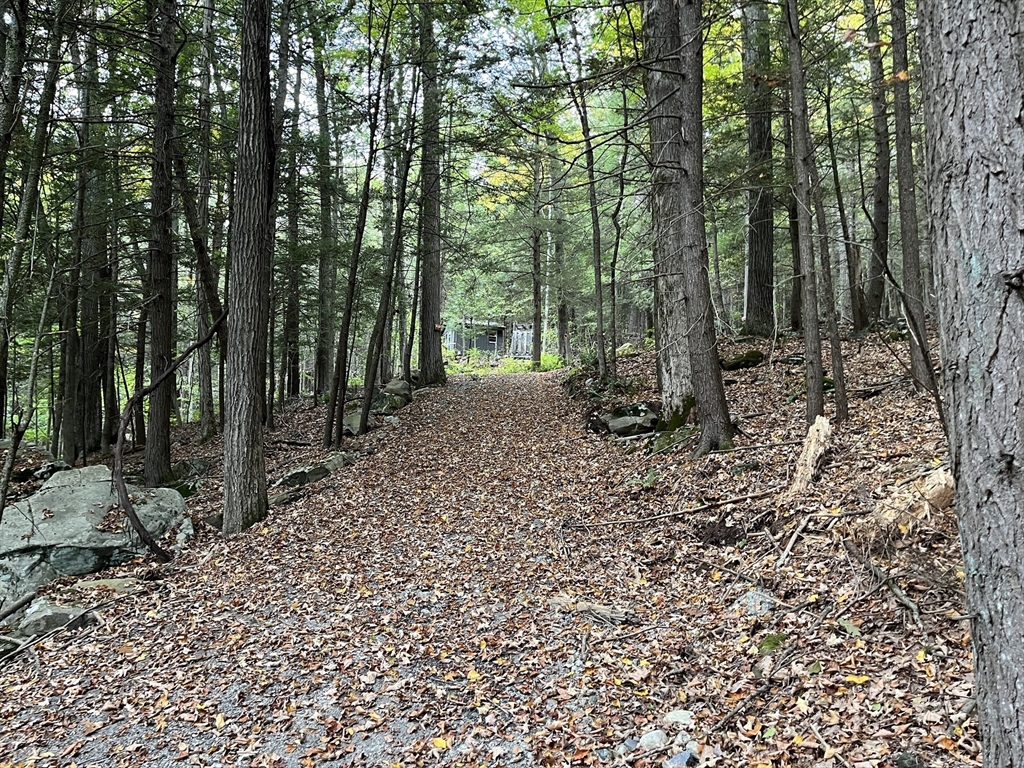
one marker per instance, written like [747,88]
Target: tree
[759,297]
[879,216]
[975,140]
[245,480]
[802,160]
[431,362]
[686,325]
[912,288]
[161,246]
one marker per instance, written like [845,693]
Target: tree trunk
[973,94]
[802,160]
[662,85]
[829,300]
[912,289]
[536,263]
[161,246]
[245,480]
[875,288]
[431,361]
[857,313]
[292,267]
[759,296]
[326,268]
[796,287]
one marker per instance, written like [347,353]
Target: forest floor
[442,602]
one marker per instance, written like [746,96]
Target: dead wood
[810,457]
[680,512]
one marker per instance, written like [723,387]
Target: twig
[885,579]
[679,513]
[792,540]
[824,743]
[756,447]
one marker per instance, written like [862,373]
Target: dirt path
[400,614]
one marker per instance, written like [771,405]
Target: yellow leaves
[220,721]
[473,675]
[857,679]
[439,743]
[920,655]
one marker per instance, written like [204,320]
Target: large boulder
[72,526]
[387,403]
[635,419]
[399,387]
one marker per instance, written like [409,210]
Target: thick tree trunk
[875,288]
[431,361]
[802,160]
[759,296]
[975,139]
[662,86]
[161,246]
[245,480]
[912,288]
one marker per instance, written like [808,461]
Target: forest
[217,214]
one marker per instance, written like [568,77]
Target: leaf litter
[442,602]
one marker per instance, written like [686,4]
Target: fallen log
[814,448]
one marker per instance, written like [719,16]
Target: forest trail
[417,609]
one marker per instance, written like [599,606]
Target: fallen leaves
[433,605]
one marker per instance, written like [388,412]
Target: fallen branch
[117,475]
[678,513]
[18,604]
[792,540]
[756,447]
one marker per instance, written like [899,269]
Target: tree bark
[245,480]
[431,361]
[912,287]
[975,140]
[875,288]
[759,296]
[326,268]
[802,160]
[161,246]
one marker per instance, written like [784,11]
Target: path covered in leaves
[418,609]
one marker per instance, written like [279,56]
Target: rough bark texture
[912,288]
[245,481]
[974,88]
[161,246]
[661,83]
[802,160]
[431,362]
[759,306]
[875,287]
[326,268]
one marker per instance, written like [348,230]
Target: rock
[388,403]
[626,747]
[45,472]
[186,468]
[629,420]
[748,359]
[216,520]
[392,420]
[351,424]
[684,759]
[681,717]
[653,740]
[399,387]
[908,760]
[63,529]
[754,603]
[45,616]
[626,350]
